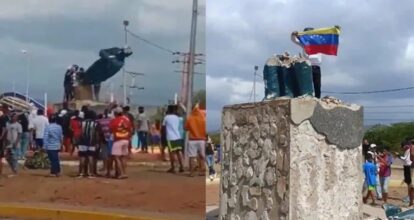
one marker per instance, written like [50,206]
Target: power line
[370,92]
[389,106]
[150,42]
[389,119]
[390,112]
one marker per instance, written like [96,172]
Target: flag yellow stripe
[331,30]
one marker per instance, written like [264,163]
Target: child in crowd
[370,171]
[210,158]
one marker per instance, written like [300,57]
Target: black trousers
[316,74]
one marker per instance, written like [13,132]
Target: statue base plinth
[83,92]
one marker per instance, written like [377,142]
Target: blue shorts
[110,142]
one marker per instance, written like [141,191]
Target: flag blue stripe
[318,39]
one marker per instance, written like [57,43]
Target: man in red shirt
[121,129]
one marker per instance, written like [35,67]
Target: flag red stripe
[328,49]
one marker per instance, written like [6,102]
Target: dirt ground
[396,194]
[151,191]
[212,194]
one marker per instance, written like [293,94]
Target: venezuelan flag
[323,40]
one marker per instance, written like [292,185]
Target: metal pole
[25,52]
[14,88]
[254,83]
[191,57]
[123,68]
[46,103]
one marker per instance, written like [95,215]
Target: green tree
[215,137]
[390,136]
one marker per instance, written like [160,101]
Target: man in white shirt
[39,124]
[174,140]
[316,61]
[143,128]
[406,145]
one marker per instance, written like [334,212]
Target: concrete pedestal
[83,92]
[291,159]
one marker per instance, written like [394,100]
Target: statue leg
[96,90]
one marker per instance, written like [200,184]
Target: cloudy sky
[376,50]
[60,33]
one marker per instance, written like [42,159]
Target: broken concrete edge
[248,105]
[335,124]
[323,118]
[22,211]
[303,108]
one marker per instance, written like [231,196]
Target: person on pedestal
[316,61]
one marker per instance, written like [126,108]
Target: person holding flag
[316,42]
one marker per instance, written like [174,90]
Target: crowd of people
[377,170]
[106,137]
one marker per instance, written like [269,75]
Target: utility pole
[126,23]
[192,57]
[26,54]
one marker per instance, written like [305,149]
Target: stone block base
[83,92]
[291,159]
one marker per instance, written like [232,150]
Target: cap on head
[373,145]
[63,113]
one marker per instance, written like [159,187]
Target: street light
[125,23]
[27,73]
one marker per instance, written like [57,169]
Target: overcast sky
[376,50]
[60,33]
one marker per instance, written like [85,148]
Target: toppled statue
[287,76]
[110,62]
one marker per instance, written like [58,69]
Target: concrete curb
[20,211]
